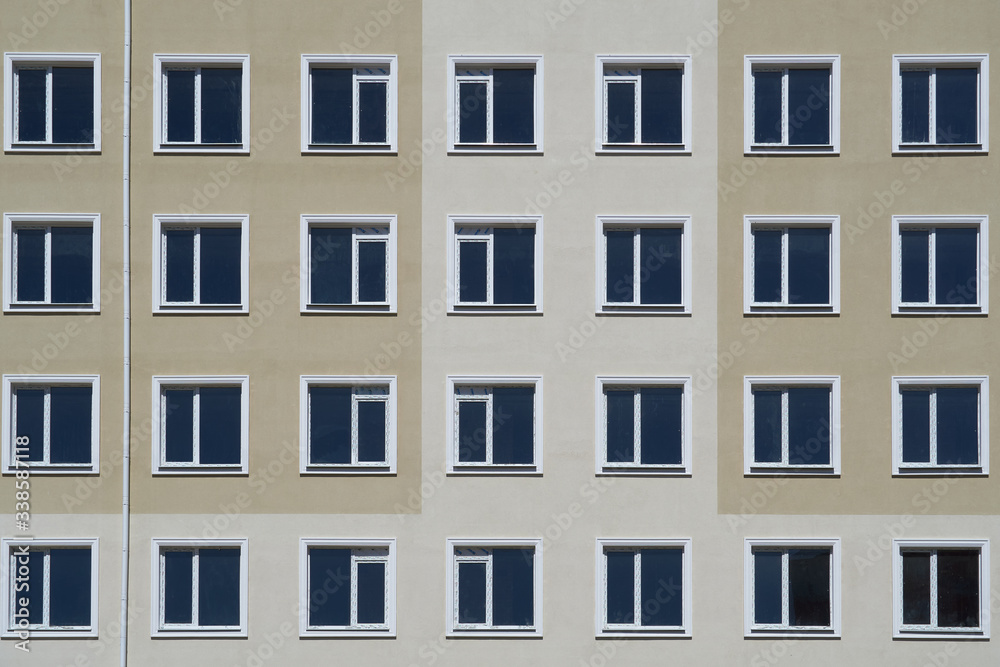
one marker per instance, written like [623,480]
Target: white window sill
[763,149]
[819,633]
[905,149]
[238,309]
[972,633]
[810,309]
[384,633]
[319,471]
[520,309]
[643,149]
[771,471]
[948,309]
[349,149]
[643,309]
[493,149]
[202,149]
[229,471]
[36,470]
[51,308]
[377,308]
[495,633]
[46,633]
[640,471]
[488,469]
[940,471]
[642,633]
[89,149]
[187,634]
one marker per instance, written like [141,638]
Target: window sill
[813,309]
[821,633]
[780,471]
[202,471]
[950,310]
[493,149]
[495,470]
[202,149]
[940,471]
[45,633]
[355,308]
[640,633]
[238,309]
[349,149]
[89,149]
[188,634]
[909,149]
[941,634]
[359,633]
[792,150]
[483,309]
[638,471]
[644,149]
[319,471]
[494,633]
[50,308]
[643,309]
[35,470]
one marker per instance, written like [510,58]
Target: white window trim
[161,221]
[451,587]
[602,630]
[900,468]
[600,412]
[309,61]
[786,61]
[307,381]
[900,62]
[685,62]
[162,382]
[901,632]
[482,221]
[451,431]
[456,61]
[389,630]
[750,467]
[983,269]
[162,62]
[7,601]
[749,544]
[307,222]
[604,222]
[13,60]
[14,220]
[750,222]
[12,381]
[157,545]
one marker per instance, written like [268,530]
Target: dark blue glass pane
[69,430]
[621,113]
[221,103]
[915,101]
[767,587]
[513,425]
[35,594]
[472,271]
[30,265]
[662,583]
[472,593]
[73,105]
[371,271]
[513,587]
[956,261]
[809,425]
[220,265]
[514,265]
[329,587]
[660,265]
[916,426]
[621,426]
[958,425]
[31,104]
[72,264]
[472,113]
[808,106]
[808,266]
[621,587]
[767,266]
[220,426]
[513,106]
[661,106]
[767,426]
[958,588]
[372,123]
[916,588]
[809,587]
[31,422]
[332,106]
[329,424]
[915,266]
[661,409]
[178,598]
[767,107]
[621,265]
[330,253]
[180,265]
[371,431]
[179,426]
[218,587]
[957,105]
[472,431]
[371,592]
[180,105]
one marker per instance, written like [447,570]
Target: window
[347,588]
[792,425]
[53,262]
[941,589]
[940,103]
[792,264]
[348,263]
[792,104]
[940,264]
[495,104]
[53,423]
[495,588]
[643,264]
[50,587]
[199,588]
[940,425]
[201,265]
[643,588]
[644,425]
[348,424]
[202,104]
[643,104]
[200,424]
[53,102]
[792,587]
[495,264]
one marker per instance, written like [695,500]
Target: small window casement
[52,424]
[791,264]
[494,588]
[643,588]
[792,425]
[644,264]
[940,103]
[52,262]
[347,588]
[50,587]
[199,588]
[201,104]
[348,263]
[940,425]
[200,424]
[495,104]
[792,104]
[495,264]
[940,264]
[52,102]
[643,104]
[347,424]
[201,265]
[792,588]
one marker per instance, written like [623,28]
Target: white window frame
[12,61]
[932,222]
[10,382]
[901,631]
[751,382]
[7,594]
[682,62]
[163,62]
[606,630]
[364,227]
[488,62]
[196,382]
[160,305]
[452,628]
[387,382]
[606,223]
[784,223]
[786,62]
[482,225]
[388,629]
[15,221]
[777,544]
[902,62]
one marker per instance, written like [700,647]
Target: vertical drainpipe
[127,322]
